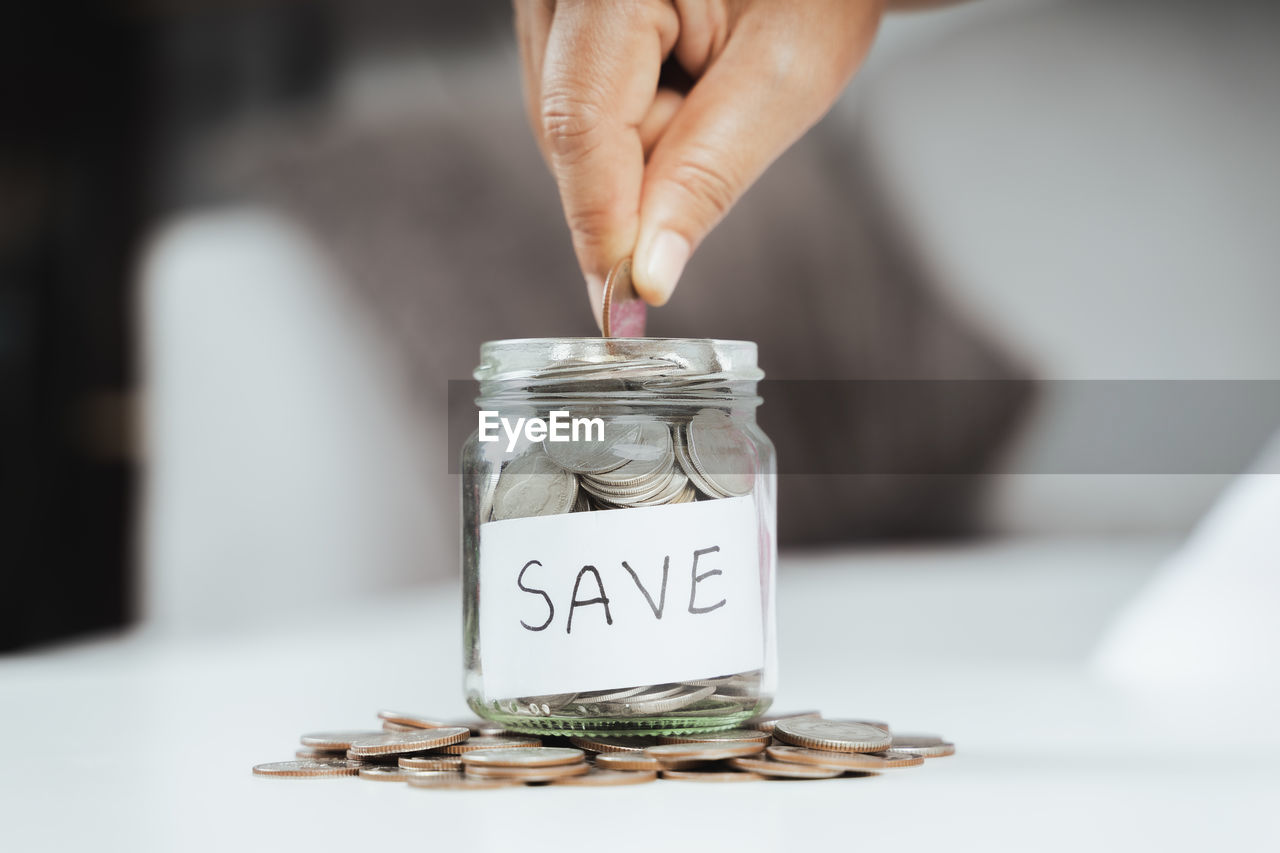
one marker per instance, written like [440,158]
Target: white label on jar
[620,598]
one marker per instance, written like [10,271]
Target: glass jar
[619,519]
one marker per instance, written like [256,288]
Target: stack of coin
[472,755]
[636,464]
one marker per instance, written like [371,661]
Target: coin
[416,721]
[636,706]
[784,769]
[480,727]
[490,742]
[431,762]
[766,723]
[703,751]
[720,453]
[622,311]
[388,726]
[748,735]
[845,760]
[309,767]
[596,777]
[335,741]
[528,774]
[532,756]
[458,782]
[389,743]
[609,695]
[926,746]
[627,761]
[312,752]
[838,735]
[532,485]
[612,744]
[389,773]
[712,776]
[593,457]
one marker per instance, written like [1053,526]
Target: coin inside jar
[532,485]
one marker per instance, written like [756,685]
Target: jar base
[598,726]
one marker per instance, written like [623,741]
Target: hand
[649,169]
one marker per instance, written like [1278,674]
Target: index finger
[599,78]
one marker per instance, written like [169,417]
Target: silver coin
[490,742]
[646,456]
[721,453]
[398,743]
[642,707]
[686,752]
[336,741]
[532,485]
[837,735]
[309,767]
[632,744]
[627,761]
[596,777]
[766,723]
[534,756]
[784,769]
[413,721]
[926,746]
[861,761]
[594,457]
[528,774]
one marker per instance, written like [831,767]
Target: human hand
[648,169]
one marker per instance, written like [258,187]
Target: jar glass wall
[619,518]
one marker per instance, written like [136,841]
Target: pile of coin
[427,753]
[637,464]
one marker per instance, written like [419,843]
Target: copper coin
[312,752]
[458,782]
[491,742]
[926,746]
[864,761]
[600,778]
[623,312]
[431,762]
[837,735]
[682,752]
[627,761]
[766,723]
[712,776]
[613,744]
[309,767]
[532,756]
[786,770]
[528,774]
[391,773]
[396,743]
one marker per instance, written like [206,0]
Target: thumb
[770,84]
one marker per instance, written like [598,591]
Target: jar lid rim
[704,357]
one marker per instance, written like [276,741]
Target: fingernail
[661,265]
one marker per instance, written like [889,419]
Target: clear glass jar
[619,520]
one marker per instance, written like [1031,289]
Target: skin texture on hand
[655,116]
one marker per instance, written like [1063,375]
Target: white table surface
[145,742]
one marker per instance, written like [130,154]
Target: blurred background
[245,245]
